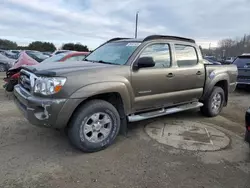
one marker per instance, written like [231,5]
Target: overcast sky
[92,22]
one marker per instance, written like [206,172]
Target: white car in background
[230,60]
[59,51]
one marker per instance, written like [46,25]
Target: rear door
[189,73]
[243,65]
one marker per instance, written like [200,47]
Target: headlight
[48,86]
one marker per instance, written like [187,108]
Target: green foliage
[42,46]
[75,47]
[7,44]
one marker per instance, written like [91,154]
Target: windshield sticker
[133,44]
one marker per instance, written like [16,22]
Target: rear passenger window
[160,54]
[185,55]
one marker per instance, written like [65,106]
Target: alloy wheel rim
[97,127]
[216,102]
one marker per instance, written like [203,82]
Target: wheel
[214,103]
[9,86]
[94,126]
[2,68]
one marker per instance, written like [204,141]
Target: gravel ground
[38,157]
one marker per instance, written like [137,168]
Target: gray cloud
[94,21]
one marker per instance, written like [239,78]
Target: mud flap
[124,126]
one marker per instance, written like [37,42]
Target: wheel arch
[220,81]
[112,97]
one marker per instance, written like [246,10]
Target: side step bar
[164,111]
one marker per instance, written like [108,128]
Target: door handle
[199,73]
[170,75]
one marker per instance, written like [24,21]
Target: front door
[152,85]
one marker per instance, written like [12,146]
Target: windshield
[114,52]
[36,54]
[241,62]
[55,58]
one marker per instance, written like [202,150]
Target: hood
[59,68]
[24,59]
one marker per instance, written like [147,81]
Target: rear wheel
[214,103]
[94,126]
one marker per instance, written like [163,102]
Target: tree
[7,44]
[231,47]
[75,47]
[42,46]
[68,46]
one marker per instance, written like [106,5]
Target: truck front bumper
[47,112]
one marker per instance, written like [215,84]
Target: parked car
[229,60]
[49,54]
[15,51]
[212,58]
[122,80]
[247,120]
[210,61]
[13,74]
[243,64]
[59,51]
[38,56]
[5,63]
[66,56]
[10,54]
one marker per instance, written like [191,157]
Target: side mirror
[145,62]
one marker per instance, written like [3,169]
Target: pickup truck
[124,80]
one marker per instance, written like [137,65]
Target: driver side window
[160,54]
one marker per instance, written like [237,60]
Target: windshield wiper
[86,60]
[105,62]
[100,61]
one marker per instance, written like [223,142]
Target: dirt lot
[38,157]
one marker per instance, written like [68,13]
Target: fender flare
[102,88]
[213,82]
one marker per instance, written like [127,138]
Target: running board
[164,111]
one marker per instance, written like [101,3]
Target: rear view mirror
[145,62]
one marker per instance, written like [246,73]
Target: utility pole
[210,48]
[136,23]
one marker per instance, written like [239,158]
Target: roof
[129,40]
[152,37]
[245,54]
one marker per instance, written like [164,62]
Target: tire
[83,128]
[2,68]
[208,109]
[9,87]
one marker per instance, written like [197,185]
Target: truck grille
[26,79]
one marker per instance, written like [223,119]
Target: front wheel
[214,103]
[94,126]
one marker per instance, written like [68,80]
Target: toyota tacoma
[123,80]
